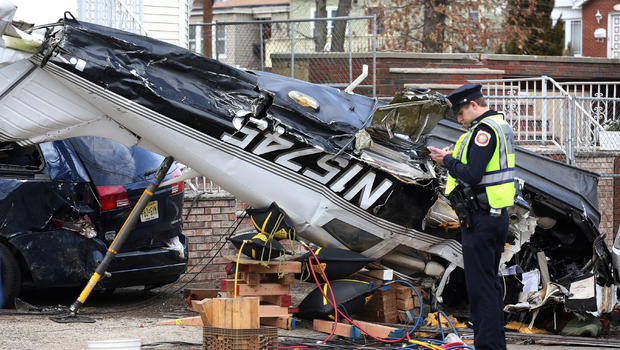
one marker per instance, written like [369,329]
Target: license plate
[150,212]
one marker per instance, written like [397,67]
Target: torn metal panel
[51,264]
[411,114]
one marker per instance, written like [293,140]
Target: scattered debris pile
[357,299]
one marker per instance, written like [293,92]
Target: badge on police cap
[482,138]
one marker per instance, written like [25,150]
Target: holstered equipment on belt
[465,202]
[461,205]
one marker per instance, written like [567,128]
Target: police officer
[482,173]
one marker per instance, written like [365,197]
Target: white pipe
[188,175]
[357,80]
[442,283]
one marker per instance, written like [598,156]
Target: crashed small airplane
[350,171]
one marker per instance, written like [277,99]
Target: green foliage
[612,125]
[543,38]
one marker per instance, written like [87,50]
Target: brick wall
[211,217]
[590,46]
[327,67]
[616,182]
[606,194]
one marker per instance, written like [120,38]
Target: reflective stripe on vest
[498,178]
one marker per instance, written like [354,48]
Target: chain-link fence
[120,14]
[328,51]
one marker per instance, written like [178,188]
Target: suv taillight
[179,186]
[112,197]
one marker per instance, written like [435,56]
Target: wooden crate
[381,307]
[230,313]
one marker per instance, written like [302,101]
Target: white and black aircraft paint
[267,138]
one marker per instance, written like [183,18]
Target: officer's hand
[438,154]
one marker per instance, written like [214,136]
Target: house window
[195,38]
[474,15]
[575,37]
[219,42]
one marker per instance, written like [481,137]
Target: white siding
[167,20]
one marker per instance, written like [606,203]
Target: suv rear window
[111,163]
[14,158]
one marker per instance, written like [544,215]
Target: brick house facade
[609,11]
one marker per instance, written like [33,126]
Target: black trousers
[483,245]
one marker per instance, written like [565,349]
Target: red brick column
[208,223]
[606,198]
[616,196]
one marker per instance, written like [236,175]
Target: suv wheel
[11,277]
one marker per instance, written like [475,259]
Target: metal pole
[262,58]
[543,88]
[568,129]
[573,126]
[217,54]
[122,234]
[374,55]
[350,53]
[293,50]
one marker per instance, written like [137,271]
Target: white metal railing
[569,116]
[201,184]
[120,14]
[600,99]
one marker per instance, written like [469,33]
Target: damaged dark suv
[61,204]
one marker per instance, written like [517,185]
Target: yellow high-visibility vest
[498,179]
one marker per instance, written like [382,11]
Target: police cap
[463,95]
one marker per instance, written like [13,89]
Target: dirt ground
[132,314]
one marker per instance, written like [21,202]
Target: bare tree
[338,32]
[433,25]
[320,27]
[448,26]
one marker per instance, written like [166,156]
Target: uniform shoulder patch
[482,138]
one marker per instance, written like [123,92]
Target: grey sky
[43,11]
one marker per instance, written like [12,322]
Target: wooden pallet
[270,283]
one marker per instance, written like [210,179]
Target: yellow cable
[426,345]
[237,266]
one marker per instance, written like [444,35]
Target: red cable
[336,308]
[325,296]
